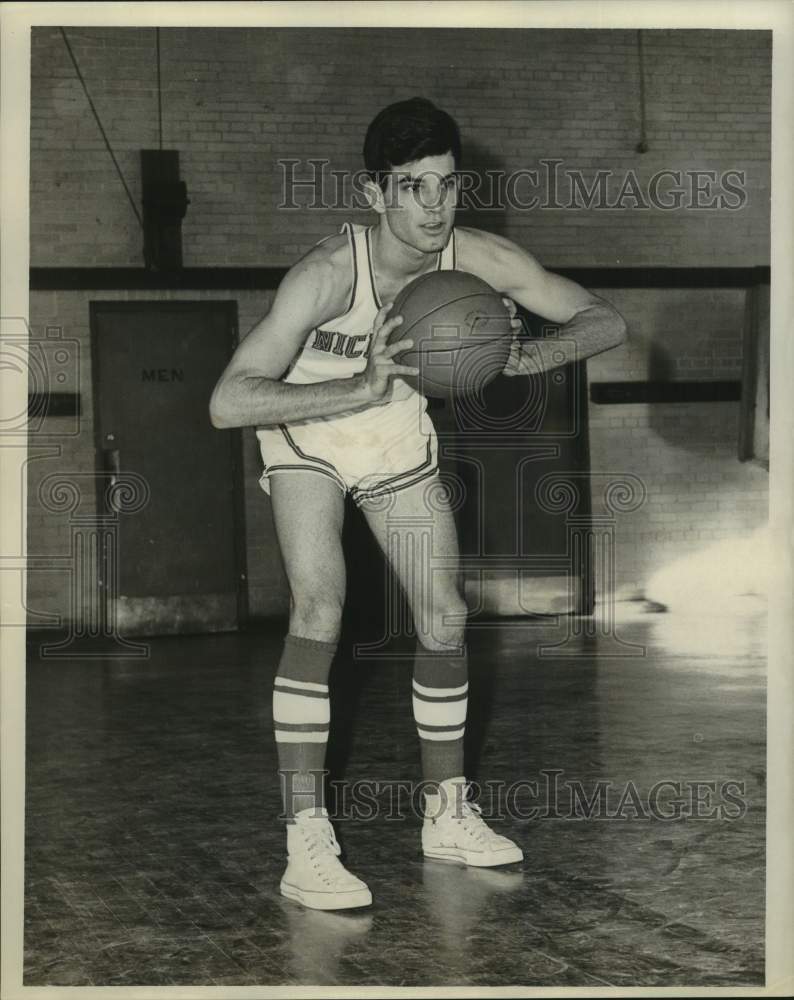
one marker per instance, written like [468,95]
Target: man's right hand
[380,364]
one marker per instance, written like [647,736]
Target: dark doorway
[181,558]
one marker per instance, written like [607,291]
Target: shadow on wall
[693,336]
[677,336]
[483,206]
[661,366]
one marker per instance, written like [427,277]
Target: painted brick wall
[684,453]
[697,492]
[236,101]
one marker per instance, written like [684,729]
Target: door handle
[111,461]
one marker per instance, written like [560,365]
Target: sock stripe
[304,737]
[304,690]
[306,686]
[301,727]
[422,691]
[432,714]
[289,706]
[449,734]
[439,708]
[442,699]
[436,728]
[301,719]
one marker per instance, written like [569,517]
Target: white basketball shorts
[368,453]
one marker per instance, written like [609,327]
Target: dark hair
[407,131]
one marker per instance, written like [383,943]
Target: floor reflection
[317,942]
[153,855]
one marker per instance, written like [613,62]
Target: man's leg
[421,544]
[417,532]
[308,511]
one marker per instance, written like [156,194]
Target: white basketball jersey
[339,347]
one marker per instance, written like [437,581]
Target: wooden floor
[154,852]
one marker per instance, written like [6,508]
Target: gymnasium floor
[153,856]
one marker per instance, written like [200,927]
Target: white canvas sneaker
[315,876]
[454,830]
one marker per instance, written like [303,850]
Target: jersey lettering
[323,340]
[352,343]
[342,344]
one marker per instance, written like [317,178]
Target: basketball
[460,330]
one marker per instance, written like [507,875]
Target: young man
[318,378]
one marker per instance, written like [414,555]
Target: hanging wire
[159,91]
[642,145]
[101,129]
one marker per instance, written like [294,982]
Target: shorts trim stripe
[371,486]
[284,467]
[393,481]
[390,487]
[302,454]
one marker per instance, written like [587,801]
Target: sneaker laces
[469,816]
[323,850]
[471,819]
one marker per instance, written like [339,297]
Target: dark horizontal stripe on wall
[58,279]
[55,404]
[665,392]
[46,279]
[666,277]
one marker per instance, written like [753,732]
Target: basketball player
[318,378]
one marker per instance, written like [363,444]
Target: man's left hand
[513,363]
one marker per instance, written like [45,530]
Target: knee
[316,616]
[444,624]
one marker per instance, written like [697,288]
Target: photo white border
[16,20]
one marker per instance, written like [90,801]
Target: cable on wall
[100,127]
[642,145]
[159,90]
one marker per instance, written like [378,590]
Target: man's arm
[588,325]
[250,391]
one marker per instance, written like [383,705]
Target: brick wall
[235,101]
[684,453]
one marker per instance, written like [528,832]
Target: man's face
[419,202]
